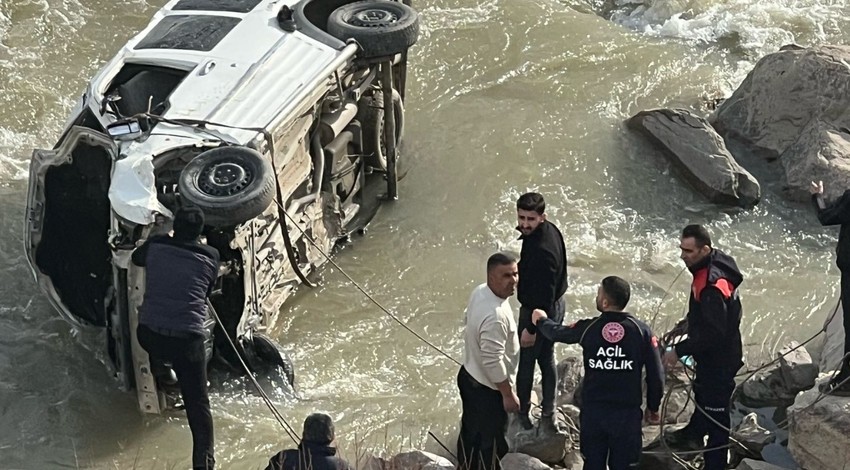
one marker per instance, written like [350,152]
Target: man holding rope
[713,341]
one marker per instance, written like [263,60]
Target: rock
[516,461]
[571,415]
[796,367]
[833,343]
[819,430]
[573,461]
[699,154]
[570,374]
[680,406]
[655,455]
[752,436]
[750,464]
[419,460]
[372,462]
[448,438]
[550,448]
[795,98]
[766,388]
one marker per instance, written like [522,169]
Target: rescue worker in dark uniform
[838,213]
[316,450]
[542,284]
[713,341]
[617,347]
[180,273]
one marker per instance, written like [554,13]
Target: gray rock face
[819,430]
[699,155]
[522,462]
[750,464]
[795,104]
[797,369]
[766,388]
[419,460]
[549,447]
[570,374]
[753,436]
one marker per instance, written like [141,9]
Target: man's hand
[652,417]
[670,359]
[816,188]
[537,314]
[510,403]
[526,339]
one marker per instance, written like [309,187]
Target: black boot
[525,421]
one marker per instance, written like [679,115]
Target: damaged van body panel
[268,117]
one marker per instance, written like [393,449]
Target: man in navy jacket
[315,451]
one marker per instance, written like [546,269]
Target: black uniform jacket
[714,314]
[308,456]
[837,213]
[616,347]
[542,271]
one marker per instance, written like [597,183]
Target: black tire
[230,184]
[372,120]
[270,353]
[381,27]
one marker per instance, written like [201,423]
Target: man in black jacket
[180,273]
[713,341]
[617,347]
[838,213]
[542,284]
[315,451]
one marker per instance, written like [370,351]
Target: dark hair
[188,223]
[318,428]
[617,291]
[500,259]
[531,202]
[698,233]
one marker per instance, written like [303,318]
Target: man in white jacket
[490,355]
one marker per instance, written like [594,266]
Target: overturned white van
[280,119]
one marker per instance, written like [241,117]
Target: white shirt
[491,345]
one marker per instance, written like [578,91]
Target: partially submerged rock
[796,368]
[819,430]
[699,154]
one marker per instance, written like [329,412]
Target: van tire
[269,353]
[372,120]
[230,184]
[381,27]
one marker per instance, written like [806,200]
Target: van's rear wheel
[230,184]
[374,138]
[381,27]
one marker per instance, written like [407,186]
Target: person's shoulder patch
[654,341]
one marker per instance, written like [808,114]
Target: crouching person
[179,275]
[315,451]
[616,348]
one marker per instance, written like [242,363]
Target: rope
[363,291]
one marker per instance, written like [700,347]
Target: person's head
[530,212]
[613,294]
[502,274]
[319,428]
[695,244]
[188,223]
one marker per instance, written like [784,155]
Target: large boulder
[699,154]
[419,460]
[516,461]
[819,430]
[795,104]
[796,367]
[765,388]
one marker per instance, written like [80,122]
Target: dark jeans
[610,437]
[543,353]
[713,389]
[187,358]
[481,443]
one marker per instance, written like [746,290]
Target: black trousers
[845,298]
[543,353]
[481,443]
[713,389]
[610,437]
[186,356]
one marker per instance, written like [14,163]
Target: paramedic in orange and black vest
[713,341]
[838,213]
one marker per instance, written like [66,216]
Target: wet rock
[699,154]
[419,460]
[819,430]
[794,105]
[796,367]
[750,464]
[766,388]
[570,374]
[515,461]
[833,343]
[754,437]
[549,447]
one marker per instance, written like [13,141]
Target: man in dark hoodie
[542,284]
[838,213]
[617,347]
[713,341]
[315,451]
[180,273]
